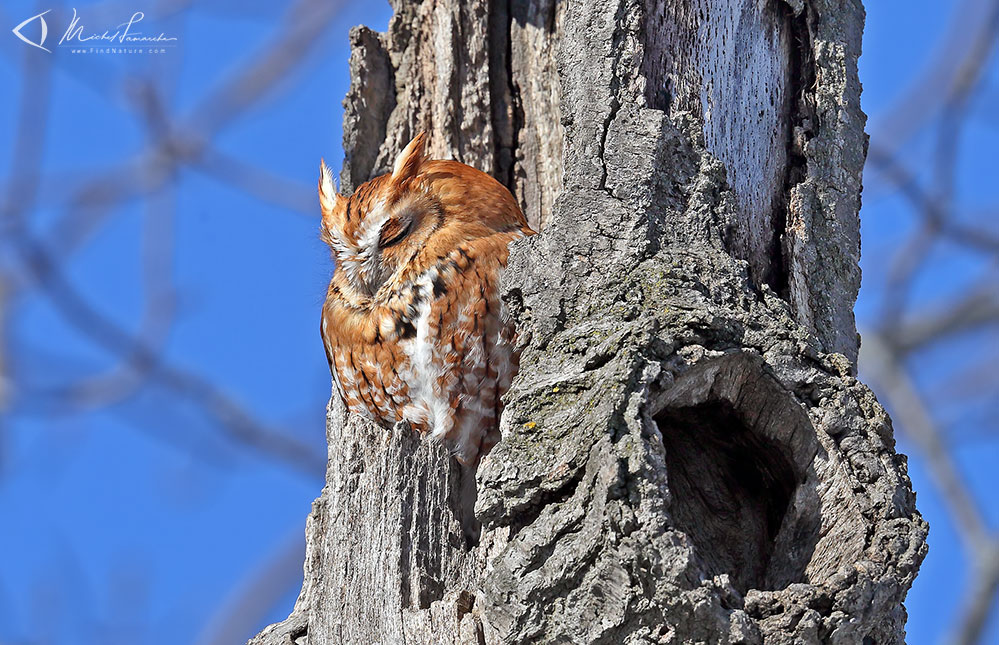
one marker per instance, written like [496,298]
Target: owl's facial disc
[386,239]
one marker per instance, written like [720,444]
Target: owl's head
[411,217]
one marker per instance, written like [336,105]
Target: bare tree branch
[969,33]
[979,598]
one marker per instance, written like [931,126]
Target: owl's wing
[479,346]
[327,332]
[365,366]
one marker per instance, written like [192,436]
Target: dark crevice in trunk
[731,488]
[800,128]
[502,92]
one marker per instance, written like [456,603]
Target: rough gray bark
[686,454]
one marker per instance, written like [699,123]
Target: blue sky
[139,522]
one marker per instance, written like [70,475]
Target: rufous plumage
[413,324]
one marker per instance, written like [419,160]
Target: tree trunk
[687,455]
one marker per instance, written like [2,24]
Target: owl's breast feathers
[431,347]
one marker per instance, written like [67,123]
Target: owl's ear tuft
[408,163]
[329,198]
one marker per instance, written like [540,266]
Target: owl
[412,323]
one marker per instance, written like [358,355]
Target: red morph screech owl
[413,325]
